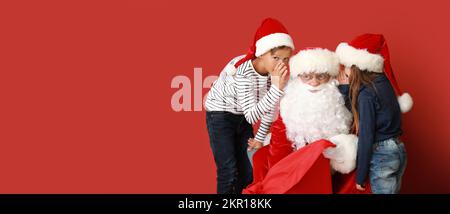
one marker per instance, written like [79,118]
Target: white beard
[313,116]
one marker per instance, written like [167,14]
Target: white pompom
[230,69]
[406,102]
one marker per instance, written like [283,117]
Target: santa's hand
[343,156]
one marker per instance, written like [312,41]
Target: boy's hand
[280,75]
[254,144]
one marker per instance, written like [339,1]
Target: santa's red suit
[278,169]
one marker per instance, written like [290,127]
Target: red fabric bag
[279,170]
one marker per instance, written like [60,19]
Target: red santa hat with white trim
[270,34]
[370,52]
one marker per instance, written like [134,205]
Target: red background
[85,86]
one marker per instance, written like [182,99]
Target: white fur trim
[230,69]
[271,41]
[405,102]
[343,156]
[349,56]
[316,60]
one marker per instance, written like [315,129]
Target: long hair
[358,78]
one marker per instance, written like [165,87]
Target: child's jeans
[387,166]
[228,135]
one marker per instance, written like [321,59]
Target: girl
[246,91]
[372,96]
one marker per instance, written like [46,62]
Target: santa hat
[317,60]
[370,52]
[269,35]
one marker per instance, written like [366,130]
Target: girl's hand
[360,187]
[280,75]
[254,144]
[342,77]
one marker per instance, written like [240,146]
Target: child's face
[272,58]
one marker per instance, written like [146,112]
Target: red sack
[303,171]
[279,170]
[269,155]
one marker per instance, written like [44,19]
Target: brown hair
[357,79]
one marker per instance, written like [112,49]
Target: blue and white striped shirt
[247,93]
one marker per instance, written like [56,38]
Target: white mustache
[314,88]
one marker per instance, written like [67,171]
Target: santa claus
[310,134]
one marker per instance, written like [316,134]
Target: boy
[246,91]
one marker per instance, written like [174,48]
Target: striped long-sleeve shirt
[247,93]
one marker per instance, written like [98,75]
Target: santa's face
[313,109]
[315,82]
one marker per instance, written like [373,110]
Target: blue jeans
[228,135]
[387,166]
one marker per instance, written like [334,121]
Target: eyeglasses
[310,76]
